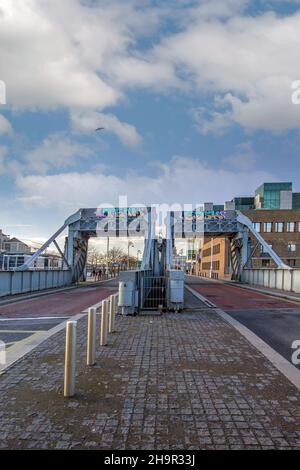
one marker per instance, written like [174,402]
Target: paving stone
[179,381]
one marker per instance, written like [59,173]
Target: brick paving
[179,381]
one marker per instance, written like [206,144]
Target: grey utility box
[128,292]
[175,289]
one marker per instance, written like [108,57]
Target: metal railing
[20,282]
[282,279]
[154,292]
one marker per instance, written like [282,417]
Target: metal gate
[153,292]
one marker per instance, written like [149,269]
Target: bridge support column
[245,250]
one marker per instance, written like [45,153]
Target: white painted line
[33,318]
[20,331]
[278,361]
[200,297]
[21,348]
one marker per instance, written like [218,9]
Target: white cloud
[5,125]
[52,53]
[57,151]
[87,54]
[88,121]
[246,62]
[60,53]
[3,153]
[182,180]
[243,159]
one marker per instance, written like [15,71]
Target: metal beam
[61,253]
[70,220]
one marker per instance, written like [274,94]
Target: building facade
[281,229]
[276,196]
[3,238]
[214,261]
[275,214]
[14,245]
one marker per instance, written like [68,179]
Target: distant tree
[97,258]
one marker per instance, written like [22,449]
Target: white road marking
[34,318]
[20,331]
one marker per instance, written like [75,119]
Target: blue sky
[195,98]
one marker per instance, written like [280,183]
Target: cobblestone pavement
[179,381]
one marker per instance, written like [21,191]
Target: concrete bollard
[116,303]
[104,323]
[91,338]
[70,359]
[111,325]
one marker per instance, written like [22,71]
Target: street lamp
[138,257]
[129,245]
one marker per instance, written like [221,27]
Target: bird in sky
[99,129]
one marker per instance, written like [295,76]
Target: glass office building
[270,195]
[244,203]
[296,200]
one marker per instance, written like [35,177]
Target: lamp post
[211,257]
[129,245]
[138,258]
[107,255]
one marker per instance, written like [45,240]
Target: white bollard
[70,359]
[91,338]
[116,303]
[104,323]
[111,314]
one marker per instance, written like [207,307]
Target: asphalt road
[276,321]
[29,316]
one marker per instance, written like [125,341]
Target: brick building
[275,213]
[215,258]
[281,229]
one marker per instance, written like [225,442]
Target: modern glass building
[296,200]
[274,196]
[244,203]
[218,207]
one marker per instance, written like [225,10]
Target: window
[292,247]
[268,227]
[291,262]
[263,250]
[265,263]
[279,227]
[290,227]
[256,226]
[217,249]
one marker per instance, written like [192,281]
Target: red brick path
[232,298]
[69,302]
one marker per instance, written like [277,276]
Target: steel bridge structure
[158,252]
[157,259]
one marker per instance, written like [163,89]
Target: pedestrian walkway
[177,381]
